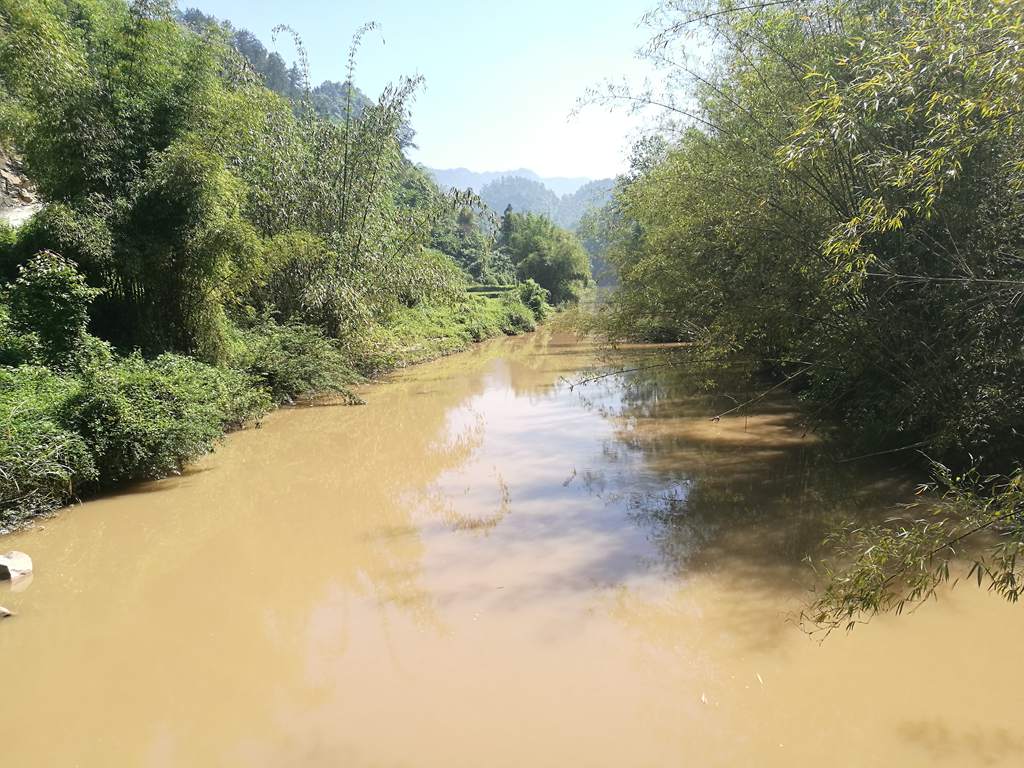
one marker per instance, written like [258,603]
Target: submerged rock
[15,565]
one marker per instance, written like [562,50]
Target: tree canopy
[545,253]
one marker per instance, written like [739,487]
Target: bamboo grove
[838,193]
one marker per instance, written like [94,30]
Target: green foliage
[845,201]
[171,171]
[189,246]
[516,316]
[894,566]
[535,297]
[427,331]
[51,299]
[7,239]
[334,100]
[463,235]
[543,252]
[596,230]
[145,419]
[119,419]
[292,361]
[42,463]
[16,348]
[80,234]
[839,195]
[331,100]
[302,284]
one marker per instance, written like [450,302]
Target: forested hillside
[530,196]
[839,197]
[522,194]
[217,238]
[463,178]
[590,197]
[563,200]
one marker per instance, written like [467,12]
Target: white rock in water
[4,613]
[15,565]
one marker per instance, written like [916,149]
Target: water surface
[483,567]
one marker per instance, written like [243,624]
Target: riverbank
[104,420]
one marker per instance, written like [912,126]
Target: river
[485,567]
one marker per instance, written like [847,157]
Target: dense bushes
[126,419]
[291,361]
[42,462]
[144,419]
[535,297]
[51,300]
[16,348]
[105,419]
[426,331]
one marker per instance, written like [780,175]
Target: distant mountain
[463,178]
[572,208]
[524,195]
[562,200]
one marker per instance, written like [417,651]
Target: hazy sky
[501,77]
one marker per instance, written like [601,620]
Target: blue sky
[501,77]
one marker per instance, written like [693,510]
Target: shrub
[535,297]
[414,334]
[147,419]
[8,237]
[16,348]
[292,360]
[42,463]
[8,252]
[51,299]
[518,317]
[80,234]
[301,285]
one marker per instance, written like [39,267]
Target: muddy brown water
[483,568]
